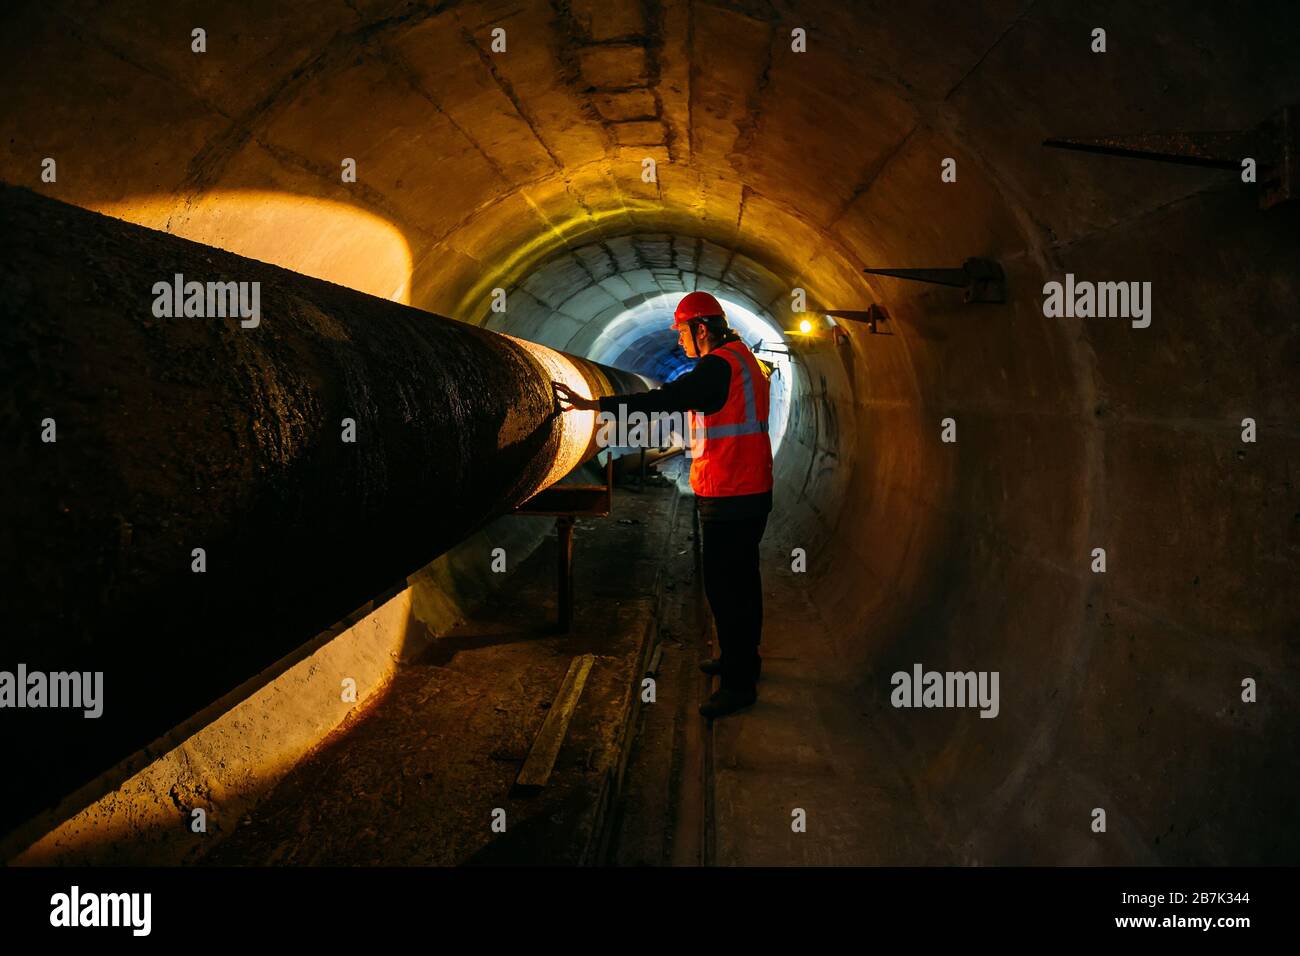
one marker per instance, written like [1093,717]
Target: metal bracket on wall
[777,348]
[872,317]
[1274,145]
[982,279]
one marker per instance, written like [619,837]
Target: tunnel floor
[416,777]
[816,741]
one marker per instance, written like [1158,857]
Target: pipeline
[309,458]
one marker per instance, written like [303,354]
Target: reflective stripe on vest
[729,458]
[750,425]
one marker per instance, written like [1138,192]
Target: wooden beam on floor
[546,745]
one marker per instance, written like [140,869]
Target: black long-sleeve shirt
[703,389]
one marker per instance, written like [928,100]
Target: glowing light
[613,341]
[805,326]
[577,428]
[328,240]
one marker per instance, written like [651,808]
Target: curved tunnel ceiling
[523,170]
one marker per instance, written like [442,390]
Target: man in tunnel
[726,396]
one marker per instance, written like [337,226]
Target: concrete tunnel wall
[1118,690]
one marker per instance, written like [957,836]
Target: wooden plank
[653,669]
[546,745]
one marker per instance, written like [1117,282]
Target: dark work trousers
[734,588]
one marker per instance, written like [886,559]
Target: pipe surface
[177,434]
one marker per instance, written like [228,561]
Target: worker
[726,396]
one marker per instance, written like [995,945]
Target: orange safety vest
[730,450]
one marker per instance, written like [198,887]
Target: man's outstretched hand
[569,400]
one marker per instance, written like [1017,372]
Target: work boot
[727,701]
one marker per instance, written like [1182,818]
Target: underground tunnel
[448,206]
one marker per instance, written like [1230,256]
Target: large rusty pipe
[134,440]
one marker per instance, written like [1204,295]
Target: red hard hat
[696,305]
